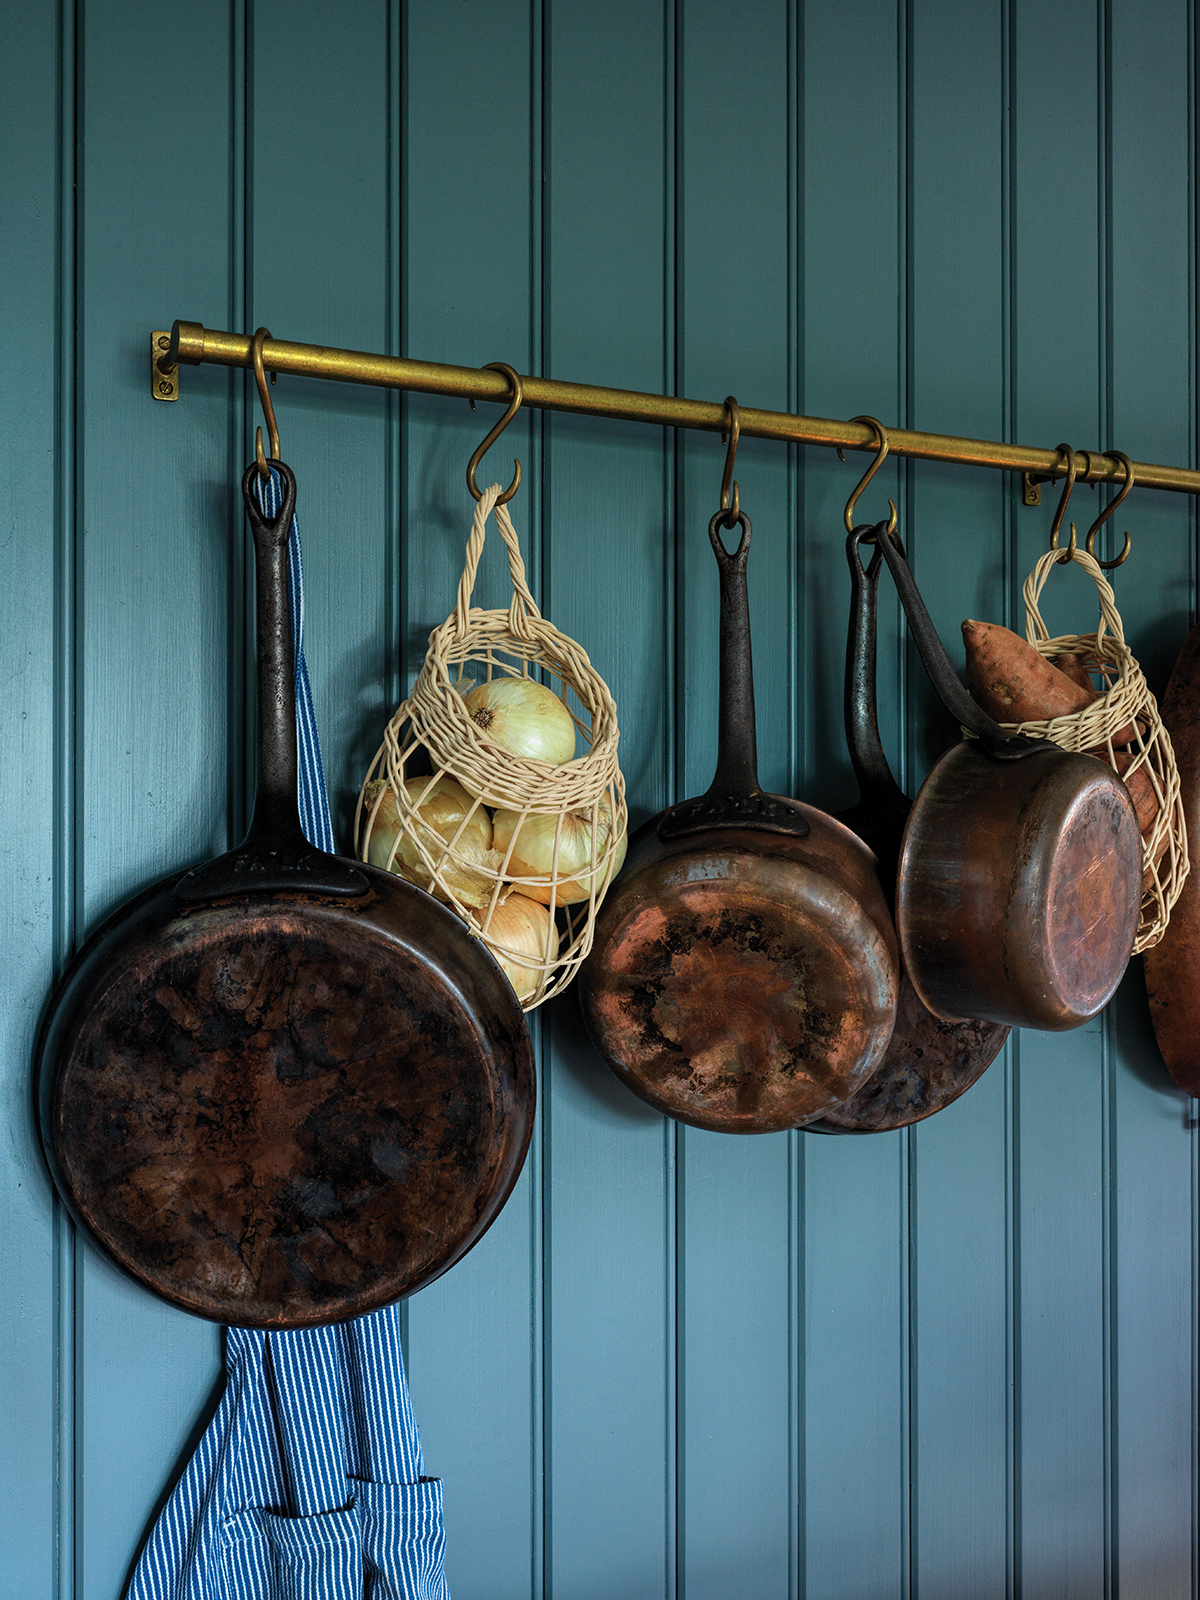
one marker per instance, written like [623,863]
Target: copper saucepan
[1020,875]
[744,972]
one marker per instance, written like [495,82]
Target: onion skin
[523,717]
[441,812]
[532,853]
[520,925]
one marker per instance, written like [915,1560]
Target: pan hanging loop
[1072,469]
[1090,542]
[514,405]
[264,394]
[732,508]
[882,447]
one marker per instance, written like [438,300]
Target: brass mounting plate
[1031,490]
[164,385]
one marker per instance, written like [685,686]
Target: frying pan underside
[742,994]
[276,1114]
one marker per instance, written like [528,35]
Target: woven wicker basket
[1125,703]
[433,737]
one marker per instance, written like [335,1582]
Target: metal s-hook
[264,394]
[732,511]
[1117,455]
[1072,469]
[514,405]
[880,457]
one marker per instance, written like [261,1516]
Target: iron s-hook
[880,457]
[1072,469]
[514,405]
[1117,455]
[732,511]
[264,394]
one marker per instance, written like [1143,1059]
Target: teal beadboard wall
[955,1361]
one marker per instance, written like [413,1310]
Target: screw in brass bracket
[1031,489]
[164,379]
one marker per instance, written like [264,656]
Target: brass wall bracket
[1031,489]
[164,374]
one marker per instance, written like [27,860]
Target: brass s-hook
[1072,470]
[1117,455]
[514,405]
[732,511]
[882,447]
[264,394]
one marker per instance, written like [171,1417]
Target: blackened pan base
[291,1123]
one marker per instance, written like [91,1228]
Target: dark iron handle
[867,756]
[275,855]
[995,742]
[734,798]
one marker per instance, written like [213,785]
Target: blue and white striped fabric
[307,1484]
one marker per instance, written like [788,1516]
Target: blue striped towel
[307,1484]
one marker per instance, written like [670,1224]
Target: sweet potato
[1013,682]
[1071,666]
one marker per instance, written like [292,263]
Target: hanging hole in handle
[715,525]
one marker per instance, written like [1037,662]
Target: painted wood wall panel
[955,1360]
[153,565]
[471,152]
[35,527]
[854,1210]
[609,1194]
[1152,286]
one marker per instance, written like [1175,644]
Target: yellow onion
[524,717]
[441,811]
[521,935]
[532,853]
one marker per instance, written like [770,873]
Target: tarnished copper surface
[1019,888]
[286,1110]
[743,982]
[1173,965]
[928,1064]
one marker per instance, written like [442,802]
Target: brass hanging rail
[190,343]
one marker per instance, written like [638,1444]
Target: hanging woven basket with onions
[477,793]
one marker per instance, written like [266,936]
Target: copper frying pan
[929,1063]
[743,976]
[284,1089]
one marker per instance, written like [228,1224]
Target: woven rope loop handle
[522,608]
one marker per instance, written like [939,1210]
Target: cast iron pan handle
[883,807]
[274,855]
[734,799]
[995,742]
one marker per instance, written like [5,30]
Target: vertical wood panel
[1062,1086]
[1152,397]
[735,1308]
[855,1353]
[33,520]
[956,243]
[475,1337]
[153,585]
[609,1216]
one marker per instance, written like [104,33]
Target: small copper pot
[1020,875]
[744,972]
